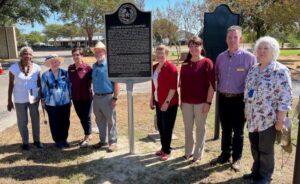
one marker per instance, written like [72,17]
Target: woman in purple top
[80,75]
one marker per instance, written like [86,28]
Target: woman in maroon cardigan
[164,97]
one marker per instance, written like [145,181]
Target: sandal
[84,144]
[159,153]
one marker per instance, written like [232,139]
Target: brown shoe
[112,148]
[99,145]
[236,165]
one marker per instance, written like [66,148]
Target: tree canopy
[26,11]
[164,28]
[263,16]
[89,14]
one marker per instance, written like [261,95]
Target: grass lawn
[289,52]
[75,165]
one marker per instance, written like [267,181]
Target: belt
[230,95]
[102,94]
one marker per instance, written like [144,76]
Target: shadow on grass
[49,154]
[125,168]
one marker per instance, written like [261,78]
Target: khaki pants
[192,113]
[105,118]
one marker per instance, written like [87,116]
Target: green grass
[289,52]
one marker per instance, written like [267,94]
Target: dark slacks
[262,149]
[83,111]
[59,120]
[231,110]
[165,124]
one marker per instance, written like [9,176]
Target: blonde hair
[162,47]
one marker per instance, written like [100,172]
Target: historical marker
[129,45]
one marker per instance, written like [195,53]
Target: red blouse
[195,78]
[167,79]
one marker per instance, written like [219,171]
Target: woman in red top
[164,97]
[196,90]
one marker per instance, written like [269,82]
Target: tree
[261,16]
[21,38]
[163,28]
[89,14]
[26,11]
[53,31]
[70,30]
[140,4]
[34,37]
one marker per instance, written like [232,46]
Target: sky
[54,19]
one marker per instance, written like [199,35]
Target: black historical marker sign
[215,30]
[128,42]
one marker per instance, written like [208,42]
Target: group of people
[58,89]
[251,88]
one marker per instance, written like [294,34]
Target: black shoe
[251,176]
[66,144]
[25,147]
[220,160]
[59,145]
[38,144]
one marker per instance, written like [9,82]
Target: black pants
[83,111]
[262,149]
[231,110]
[59,120]
[165,124]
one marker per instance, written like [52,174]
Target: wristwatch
[115,98]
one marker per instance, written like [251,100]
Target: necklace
[25,69]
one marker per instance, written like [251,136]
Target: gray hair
[272,42]
[235,28]
[25,48]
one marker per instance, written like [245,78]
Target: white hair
[25,48]
[272,42]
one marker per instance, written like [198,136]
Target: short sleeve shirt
[101,84]
[24,85]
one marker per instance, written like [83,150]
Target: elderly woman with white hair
[56,97]
[267,99]
[24,85]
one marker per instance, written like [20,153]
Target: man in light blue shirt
[105,100]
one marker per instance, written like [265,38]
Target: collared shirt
[81,81]
[195,79]
[166,80]
[231,70]
[56,92]
[25,85]
[101,84]
[266,92]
